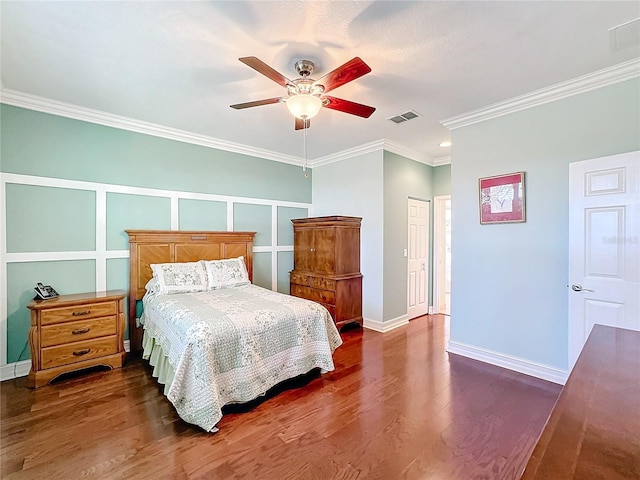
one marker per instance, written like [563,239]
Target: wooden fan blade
[351,70]
[256,103]
[300,123]
[347,107]
[261,67]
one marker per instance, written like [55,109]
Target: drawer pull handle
[79,314]
[79,353]
[80,331]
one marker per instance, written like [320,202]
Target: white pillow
[228,273]
[180,277]
[152,286]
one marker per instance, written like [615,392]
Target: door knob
[576,287]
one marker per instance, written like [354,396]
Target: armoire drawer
[322,296]
[299,279]
[331,308]
[323,283]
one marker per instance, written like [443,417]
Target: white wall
[509,281]
[353,187]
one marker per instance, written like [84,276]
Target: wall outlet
[405,253]
[430,309]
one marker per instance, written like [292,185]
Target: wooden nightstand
[73,332]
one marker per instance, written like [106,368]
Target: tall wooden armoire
[326,265]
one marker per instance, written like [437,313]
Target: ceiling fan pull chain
[304,146]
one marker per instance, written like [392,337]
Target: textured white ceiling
[176,63]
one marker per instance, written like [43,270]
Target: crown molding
[407,152]
[67,110]
[370,147]
[375,146]
[45,105]
[444,160]
[598,79]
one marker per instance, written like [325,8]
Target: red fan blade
[300,123]
[266,70]
[257,103]
[351,70]
[347,107]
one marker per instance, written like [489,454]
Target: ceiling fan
[306,96]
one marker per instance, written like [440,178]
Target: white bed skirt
[162,369]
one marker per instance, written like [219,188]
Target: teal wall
[353,187]
[35,143]
[202,215]
[509,281]
[404,178]
[34,212]
[376,186]
[441,180]
[84,184]
[145,212]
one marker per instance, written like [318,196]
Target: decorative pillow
[231,272]
[180,277]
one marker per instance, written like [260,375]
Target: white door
[442,259]
[604,246]
[418,253]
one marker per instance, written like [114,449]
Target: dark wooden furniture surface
[326,265]
[594,429]
[396,407]
[148,247]
[74,332]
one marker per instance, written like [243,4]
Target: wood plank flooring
[397,406]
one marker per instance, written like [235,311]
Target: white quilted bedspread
[232,345]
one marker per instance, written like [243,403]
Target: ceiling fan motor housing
[305,85]
[304,68]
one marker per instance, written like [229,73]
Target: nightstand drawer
[78,351]
[79,312]
[322,296]
[299,279]
[68,332]
[323,283]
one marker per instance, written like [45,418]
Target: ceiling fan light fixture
[304,106]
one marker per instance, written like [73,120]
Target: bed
[212,336]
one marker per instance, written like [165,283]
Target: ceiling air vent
[404,117]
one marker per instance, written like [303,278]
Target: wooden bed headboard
[147,247]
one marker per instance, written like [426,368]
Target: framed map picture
[502,198]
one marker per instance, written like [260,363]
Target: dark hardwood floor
[397,406]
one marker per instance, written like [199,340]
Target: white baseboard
[15,370]
[387,326]
[21,369]
[527,367]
